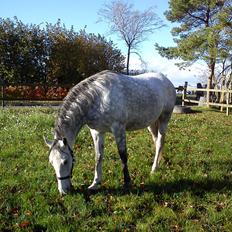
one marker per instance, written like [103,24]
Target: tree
[200,34]
[132,26]
[225,47]
[22,55]
[53,54]
[74,58]
[62,62]
[97,54]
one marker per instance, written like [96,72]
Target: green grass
[191,191]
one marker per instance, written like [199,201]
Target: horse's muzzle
[65,191]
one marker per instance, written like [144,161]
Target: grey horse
[110,102]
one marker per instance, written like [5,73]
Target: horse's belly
[141,120]
[131,126]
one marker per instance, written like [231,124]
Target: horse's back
[164,86]
[136,101]
[148,90]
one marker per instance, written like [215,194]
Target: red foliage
[36,92]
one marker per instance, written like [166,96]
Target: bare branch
[132,26]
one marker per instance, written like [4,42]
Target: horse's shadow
[196,187]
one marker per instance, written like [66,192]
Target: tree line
[53,54]
[203,32]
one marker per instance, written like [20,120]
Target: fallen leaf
[24,224]
[28,213]
[15,211]
[142,185]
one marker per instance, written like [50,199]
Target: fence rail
[224,101]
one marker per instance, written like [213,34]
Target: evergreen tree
[200,34]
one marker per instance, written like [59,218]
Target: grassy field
[191,191]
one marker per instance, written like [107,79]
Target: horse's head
[62,159]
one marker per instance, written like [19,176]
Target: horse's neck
[69,129]
[74,111]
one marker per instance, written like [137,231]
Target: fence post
[222,100]
[207,95]
[3,94]
[184,92]
[227,103]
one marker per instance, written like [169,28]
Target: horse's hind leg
[158,141]
[98,140]
[120,137]
[153,129]
[158,130]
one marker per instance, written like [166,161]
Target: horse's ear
[58,134]
[48,142]
[62,142]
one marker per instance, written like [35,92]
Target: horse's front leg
[98,140]
[120,137]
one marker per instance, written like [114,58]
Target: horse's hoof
[152,172]
[127,185]
[93,187]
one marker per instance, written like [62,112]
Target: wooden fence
[48,93]
[223,100]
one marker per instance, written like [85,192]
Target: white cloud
[167,67]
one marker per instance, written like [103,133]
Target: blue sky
[84,13]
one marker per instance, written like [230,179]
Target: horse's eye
[65,162]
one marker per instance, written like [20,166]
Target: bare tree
[130,25]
